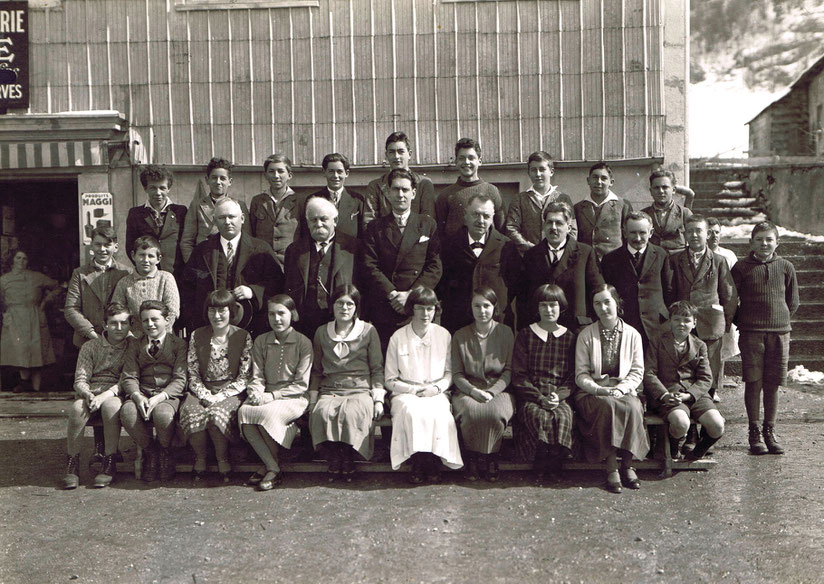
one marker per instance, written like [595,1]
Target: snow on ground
[743,232]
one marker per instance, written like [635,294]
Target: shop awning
[52,154]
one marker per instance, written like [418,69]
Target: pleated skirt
[423,424]
[346,419]
[606,423]
[482,426]
[277,418]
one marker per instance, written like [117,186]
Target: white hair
[322,205]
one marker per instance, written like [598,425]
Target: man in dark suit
[562,261]
[233,260]
[642,274]
[400,252]
[703,278]
[315,266]
[349,203]
[158,217]
[476,255]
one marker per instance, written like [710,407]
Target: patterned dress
[542,363]
[26,341]
[218,379]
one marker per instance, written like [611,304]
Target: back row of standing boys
[398,237]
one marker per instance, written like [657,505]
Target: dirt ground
[748,520]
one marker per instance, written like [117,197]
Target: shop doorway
[41,217]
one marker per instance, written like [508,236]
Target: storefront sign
[96,210]
[14,55]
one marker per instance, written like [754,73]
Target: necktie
[636,260]
[555,254]
[401,223]
[154,348]
[322,248]
[230,253]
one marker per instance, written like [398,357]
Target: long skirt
[26,341]
[483,425]
[223,415]
[606,423]
[423,424]
[535,424]
[277,418]
[344,418]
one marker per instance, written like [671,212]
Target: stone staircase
[721,193]
[807,346]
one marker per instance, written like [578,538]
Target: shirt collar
[357,330]
[632,251]
[610,197]
[696,254]
[327,243]
[161,339]
[235,241]
[290,338]
[103,267]
[482,240]
[560,248]
[288,192]
[531,190]
[335,195]
[404,217]
[162,209]
[544,335]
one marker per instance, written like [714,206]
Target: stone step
[814,293]
[803,345]
[806,262]
[811,362]
[810,311]
[727,212]
[786,247]
[807,327]
[710,195]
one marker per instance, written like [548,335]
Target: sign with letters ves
[14,54]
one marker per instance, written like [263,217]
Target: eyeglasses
[424,308]
[344,304]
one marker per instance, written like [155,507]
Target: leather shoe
[493,471]
[613,486]
[255,478]
[630,483]
[270,481]
[471,469]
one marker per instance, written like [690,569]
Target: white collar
[404,217]
[288,192]
[161,339]
[610,197]
[551,191]
[335,194]
[162,209]
[632,251]
[235,241]
[327,244]
[357,330]
[482,240]
[544,335]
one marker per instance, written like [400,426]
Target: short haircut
[697,218]
[284,300]
[155,173]
[549,293]
[227,199]
[612,292]
[764,226]
[335,157]
[557,207]
[277,158]
[683,308]
[320,200]
[598,166]
[397,137]
[146,242]
[540,156]
[423,296]
[218,299]
[662,173]
[638,216]
[466,143]
[108,233]
[218,162]
[401,173]
[347,290]
[113,309]
[712,222]
[153,305]
[481,196]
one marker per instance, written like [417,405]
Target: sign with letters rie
[96,210]
[14,54]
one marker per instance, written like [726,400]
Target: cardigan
[133,289]
[488,368]
[588,374]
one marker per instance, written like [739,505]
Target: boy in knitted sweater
[450,206]
[768,295]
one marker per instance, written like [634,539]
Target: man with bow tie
[475,255]
[642,274]
[316,265]
[400,252]
[563,261]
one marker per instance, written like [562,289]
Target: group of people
[347,306]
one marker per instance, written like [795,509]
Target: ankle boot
[702,447]
[691,440]
[675,446]
[72,478]
[167,465]
[757,445]
[106,476]
[773,447]
[150,462]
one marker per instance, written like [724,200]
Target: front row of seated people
[450,398]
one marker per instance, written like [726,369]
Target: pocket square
[423,239]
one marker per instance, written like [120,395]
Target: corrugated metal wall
[581,79]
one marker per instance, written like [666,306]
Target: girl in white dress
[418,374]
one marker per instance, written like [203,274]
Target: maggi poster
[14,55]
[96,210]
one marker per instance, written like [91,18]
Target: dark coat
[645,295]
[256,268]
[277,227]
[576,274]
[496,267]
[663,368]
[670,234]
[604,234]
[350,213]
[377,204]
[140,222]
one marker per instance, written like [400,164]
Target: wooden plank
[222,136]
[221,104]
[162,151]
[615,133]
[551,137]
[202,142]
[635,130]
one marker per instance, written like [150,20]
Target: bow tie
[476,245]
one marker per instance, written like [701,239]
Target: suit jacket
[576,273]
[256,267]
[350,213]
[710,285]
[606,233]
[200,223]
[166,371]
[670,233]
[376,201]
[88,294]
[646,293]
[140,222]
[395,261]
[524,224]
[343,252]
[663,368]
[277,227]
[496,267]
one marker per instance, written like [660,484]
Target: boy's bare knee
[679,423]
[713,423]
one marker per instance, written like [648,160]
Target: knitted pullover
[450,206]
[768,294]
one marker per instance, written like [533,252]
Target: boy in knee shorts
[677,380]
[768,294]
[153,378]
